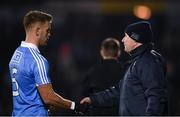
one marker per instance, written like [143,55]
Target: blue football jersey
[28,70]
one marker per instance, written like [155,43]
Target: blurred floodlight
[142,11]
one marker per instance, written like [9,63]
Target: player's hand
[81,109]
[86,100]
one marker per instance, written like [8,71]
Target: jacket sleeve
[108,97]
[154,83]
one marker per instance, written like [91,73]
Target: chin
[127,51]
[43,44]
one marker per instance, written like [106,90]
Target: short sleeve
[41,71]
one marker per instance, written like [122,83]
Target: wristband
[72,106]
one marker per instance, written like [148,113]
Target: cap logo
[135,36]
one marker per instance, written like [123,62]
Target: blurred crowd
[78,29]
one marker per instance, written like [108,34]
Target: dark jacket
[143,90]
[106,74]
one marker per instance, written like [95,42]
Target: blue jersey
[28,70]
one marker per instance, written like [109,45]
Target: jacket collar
[140,50]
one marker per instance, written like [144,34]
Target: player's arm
[53,99]
[48,95]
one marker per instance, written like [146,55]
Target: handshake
[82,107]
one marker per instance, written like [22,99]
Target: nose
[123,39]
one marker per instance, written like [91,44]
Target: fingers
[81,109]
[85,100]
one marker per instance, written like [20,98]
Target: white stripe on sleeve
[43,66]
[39,66]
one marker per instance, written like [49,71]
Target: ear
[38,31]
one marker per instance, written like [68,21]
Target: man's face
[129,44]
[44,33]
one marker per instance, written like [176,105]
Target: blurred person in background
[143,89]
[103,75]
[32,90]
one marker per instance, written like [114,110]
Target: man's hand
[86,100]
[81,109]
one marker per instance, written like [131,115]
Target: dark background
[79,27]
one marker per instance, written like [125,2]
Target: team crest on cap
[135,36]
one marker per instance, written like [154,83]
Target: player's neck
[31,39]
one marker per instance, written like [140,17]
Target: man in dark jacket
[143,90]
[104,75]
